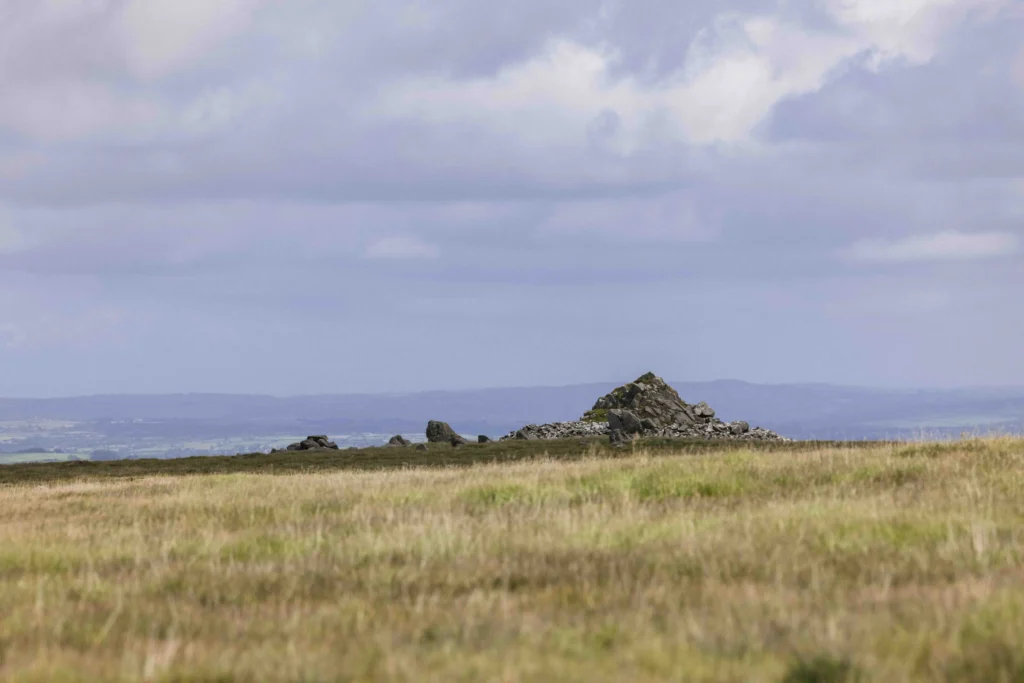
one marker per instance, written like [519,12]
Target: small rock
[422,447]
[525,435]
[457,441]
[484,439]
[399,440]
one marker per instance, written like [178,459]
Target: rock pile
[647,408]
[558,430]
[313,443]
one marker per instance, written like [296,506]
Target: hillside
[794,563]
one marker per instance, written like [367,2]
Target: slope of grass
[805,563]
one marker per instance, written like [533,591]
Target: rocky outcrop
[650,398]
[399,441]
[484,439]
[647,408]
[440,432]
[314,443]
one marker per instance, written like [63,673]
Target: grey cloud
[224,202]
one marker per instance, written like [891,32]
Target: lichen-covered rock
[649,398]
[440,432]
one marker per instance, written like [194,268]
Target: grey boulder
[739,428]
[624,421]
[440,432]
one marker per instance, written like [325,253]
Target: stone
[484,439]
[624,421]
[457,440]
[439,432]
[399,440]
[704,411]
[422,447]
[739,428]
[526,435]
[651,424]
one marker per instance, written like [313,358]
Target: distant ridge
[795,410]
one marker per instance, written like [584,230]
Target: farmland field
[521,562]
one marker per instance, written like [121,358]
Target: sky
[334,196]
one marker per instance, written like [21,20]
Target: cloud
[944,246]
[401,247]
[160,37]
[694,168]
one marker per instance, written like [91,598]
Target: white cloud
[401,247]
[162,37]
[911,29]
[943,246]
[736,70]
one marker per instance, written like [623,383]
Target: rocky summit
[647,408]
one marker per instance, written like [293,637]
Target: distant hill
[796,410]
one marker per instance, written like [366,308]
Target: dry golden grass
[893,563]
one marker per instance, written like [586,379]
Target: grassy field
[811,562]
